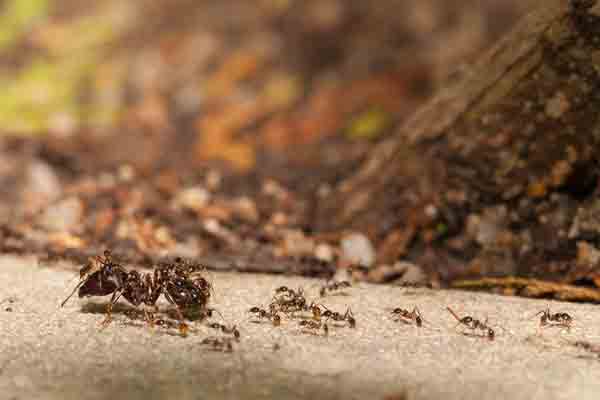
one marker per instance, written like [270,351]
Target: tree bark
[498,174]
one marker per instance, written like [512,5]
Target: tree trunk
[498,174]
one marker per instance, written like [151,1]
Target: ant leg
[183,327]
[108,318]
[149,318]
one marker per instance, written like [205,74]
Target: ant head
[97,284]
[419,320]
[490,334]
[467,320]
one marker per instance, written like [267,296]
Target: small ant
[218,344]
[556,319]
[333,286]
[288,301]
[264,314]
[414,315]
[316,311]
[473,324]
[336,316]
[315,326]
[225,329]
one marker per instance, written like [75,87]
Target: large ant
[473,324]
[174,281]
[333,286]
[556,319]
[336,316]
[414,315]
[264,314]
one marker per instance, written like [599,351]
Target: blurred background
[194,127]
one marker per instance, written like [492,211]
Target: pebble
[42,180]
[296,244]
[413,274]
[587,254]
[357,249]
[193,198]
[324,252]
[62,216]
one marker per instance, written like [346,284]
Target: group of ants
[183,286]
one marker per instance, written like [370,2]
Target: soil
[233,121]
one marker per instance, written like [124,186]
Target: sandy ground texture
[48,352]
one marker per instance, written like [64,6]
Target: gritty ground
[53,353]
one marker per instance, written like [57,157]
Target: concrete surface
[49,352]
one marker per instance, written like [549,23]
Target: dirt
[232,124]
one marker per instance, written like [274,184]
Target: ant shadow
[335,294]
[404,321]
[124,309]
[475,335]
[97,308]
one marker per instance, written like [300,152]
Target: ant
[218,344]
[289,301]
[414,315]
[333,286]
[336,316]
[228,330]
[175,281]
[264,314]
[473,324]
[556,319]
[315,326]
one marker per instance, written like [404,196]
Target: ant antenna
[72,293]
[453,314]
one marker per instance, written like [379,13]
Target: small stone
[324,252]
[587,254]
[213,179]
[412,273]
[193,198]
[62,216]
[357,249]
[246,209]
[485,228]
[214,227]
[279,219]
[343,274]
[296,244]
[557,105]
[42,180]
[126,173]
